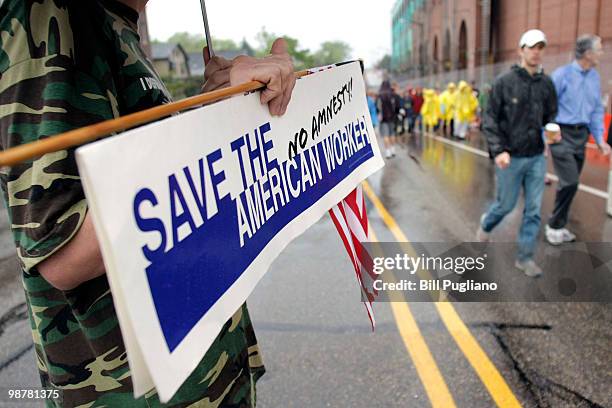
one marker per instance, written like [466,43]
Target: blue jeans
[526,172]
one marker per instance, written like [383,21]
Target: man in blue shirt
[581,113]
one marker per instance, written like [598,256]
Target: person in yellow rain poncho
[430,110]
[447,108]
[466,105]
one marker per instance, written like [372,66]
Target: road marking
[426,367]
[488,373]
[583,187]
[476,356]
[587,189]
[459,145]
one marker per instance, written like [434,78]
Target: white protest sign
[191,211]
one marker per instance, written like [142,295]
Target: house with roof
[196,63]
[196,60]
[170,60]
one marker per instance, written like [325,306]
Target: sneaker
[387,154]
[529,268]
[567,235]
[393,151]
[555,236]
[482,235]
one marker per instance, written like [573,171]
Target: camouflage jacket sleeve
[43,92]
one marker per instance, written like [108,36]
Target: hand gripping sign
[191,211]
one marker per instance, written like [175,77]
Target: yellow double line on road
[425,365]
[428,371]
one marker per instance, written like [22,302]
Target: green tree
[190,42]
[384,63]
[302,57]
[265,40]
[331,52]
[328,53]
[246,47]
[222,44]
[195,42]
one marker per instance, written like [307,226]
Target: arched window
[446,57]
[436,58]
[463,47]
[422,58]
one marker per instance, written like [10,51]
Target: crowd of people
[47,90]
[425,110]
[513,114]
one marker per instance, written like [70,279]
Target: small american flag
[351,220]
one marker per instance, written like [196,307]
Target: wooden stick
[19,154]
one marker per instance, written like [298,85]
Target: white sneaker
[567,235]
[529,268]
[387,154]
[554,236]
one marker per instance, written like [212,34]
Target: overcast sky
[365,25]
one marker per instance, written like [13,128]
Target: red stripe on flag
[351,221]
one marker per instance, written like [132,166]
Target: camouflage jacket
[65,64]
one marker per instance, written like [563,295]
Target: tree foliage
[195,42]
[384,63]
[328,53]
[331,52]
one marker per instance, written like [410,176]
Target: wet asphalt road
[314,333]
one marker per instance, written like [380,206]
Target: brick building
[434,36]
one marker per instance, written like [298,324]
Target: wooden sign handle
[76,137]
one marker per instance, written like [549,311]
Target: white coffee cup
[552,132]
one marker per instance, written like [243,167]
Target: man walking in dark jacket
[521,103]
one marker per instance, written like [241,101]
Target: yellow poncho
[447,98]
[465,103]
[431,108]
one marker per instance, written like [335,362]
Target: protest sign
[191,211]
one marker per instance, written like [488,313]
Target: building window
[463,47]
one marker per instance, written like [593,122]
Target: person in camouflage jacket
[66,64]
